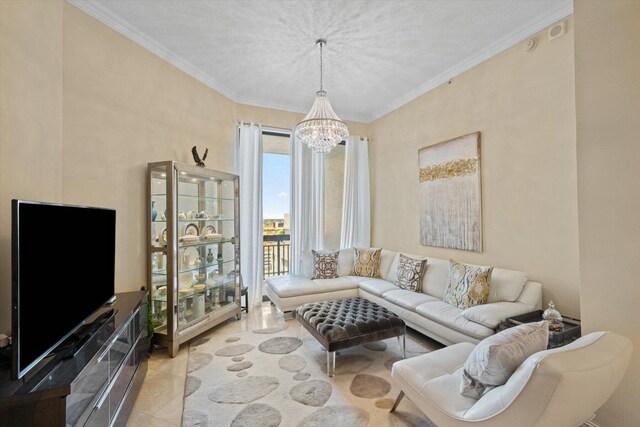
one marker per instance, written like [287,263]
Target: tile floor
[160,401]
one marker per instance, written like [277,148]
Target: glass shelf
[205,243]
[189,196]
[194,292]
[196,219]
[194,268]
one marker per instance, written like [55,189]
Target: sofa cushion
[291,286]
[490,315]
[386,260]
[376,286]
[432,373]
[494,359]
[452,317]
[506,285]
[345,262]
[467,285]
[325,264]
[407,299]
[306,264]
[435,278]
[410,272]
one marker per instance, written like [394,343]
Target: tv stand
[72,345]
[93,381]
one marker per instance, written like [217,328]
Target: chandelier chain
[321,43]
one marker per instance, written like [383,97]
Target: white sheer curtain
[307,201]
[249,167]
[356,199]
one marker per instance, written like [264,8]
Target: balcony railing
[276,254]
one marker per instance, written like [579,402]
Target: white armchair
[552,388]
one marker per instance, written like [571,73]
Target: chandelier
[322,129]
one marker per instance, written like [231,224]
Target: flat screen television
[63,271]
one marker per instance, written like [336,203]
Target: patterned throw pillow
[467,285]
[410,272]
[325,264]
[366,262]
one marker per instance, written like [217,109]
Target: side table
[570,332]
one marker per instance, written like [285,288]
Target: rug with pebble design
[269,378]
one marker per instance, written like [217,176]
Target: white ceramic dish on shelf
[188,239]
[213,237]
[185,280]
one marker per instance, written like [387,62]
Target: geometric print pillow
[325,264]
[410,272]
[366,262]
[467,285]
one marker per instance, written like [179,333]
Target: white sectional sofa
[511,293]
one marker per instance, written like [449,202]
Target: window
[276,196]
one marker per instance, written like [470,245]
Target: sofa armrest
[490,315]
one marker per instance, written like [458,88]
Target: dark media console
[93,383]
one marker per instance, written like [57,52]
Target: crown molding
[554,15]
[117,23]
[120,25]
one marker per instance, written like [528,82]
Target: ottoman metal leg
[331,363]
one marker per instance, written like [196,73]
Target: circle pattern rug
[270,378]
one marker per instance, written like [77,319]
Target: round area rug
[270,378]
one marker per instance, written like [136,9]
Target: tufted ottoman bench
[344,323]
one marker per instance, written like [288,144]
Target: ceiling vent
[558,30]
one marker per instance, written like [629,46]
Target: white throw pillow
[506,285]
[497,357]
[306,264]
[345,262]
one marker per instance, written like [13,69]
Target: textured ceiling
[380,54]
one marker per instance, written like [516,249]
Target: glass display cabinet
[194,263]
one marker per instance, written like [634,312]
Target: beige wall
[523,104]
[125,107]
[84,110]
[30,118]
[607,57]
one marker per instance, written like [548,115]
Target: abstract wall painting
[451,194]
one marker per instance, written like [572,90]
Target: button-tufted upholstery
[344,323]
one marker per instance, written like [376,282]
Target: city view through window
[276,193]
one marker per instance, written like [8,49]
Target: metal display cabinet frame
[191,289]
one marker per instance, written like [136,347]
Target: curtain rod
[282,130]
[271,128]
